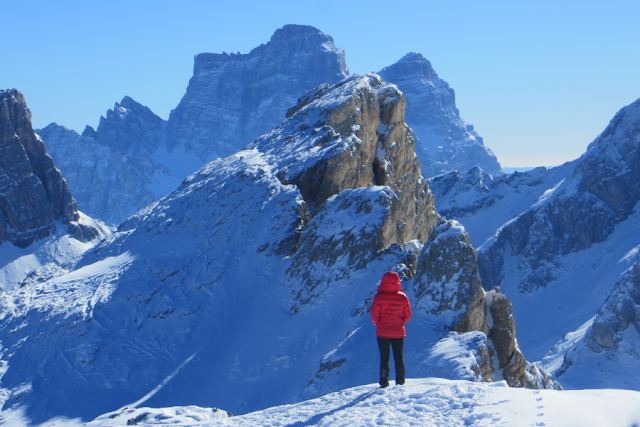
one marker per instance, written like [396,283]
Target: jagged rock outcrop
[130,128]
[350,136]
[446,142]
[33,193]
[510,360]
[447,284]
[351,142]
[447,278]
[234,98]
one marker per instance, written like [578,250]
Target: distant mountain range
[135,157]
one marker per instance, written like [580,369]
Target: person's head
[390,282]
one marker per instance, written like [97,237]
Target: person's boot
[384,378]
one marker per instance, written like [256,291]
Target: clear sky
[539,80]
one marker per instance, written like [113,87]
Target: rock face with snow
[483,202]
[620,312]
[130,128]
[234,98]
[446,142]
[447,278]
[106,183]
[605,350]
[33,192]
[279,247]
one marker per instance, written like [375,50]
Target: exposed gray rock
[510,360]
[445,141]
[107,184]
[130,128]
[621,311]
[352,141]
[234,98]
[33,193]
[447,278]
[350,136]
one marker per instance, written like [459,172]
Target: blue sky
[539,80]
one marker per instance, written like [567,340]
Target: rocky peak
[129,127]
[234,98]
[88,132]
[610,169]
[510,361]
[447,279]
[352,135]
[445,141]
[33,193]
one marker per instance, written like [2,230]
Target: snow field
[420,402]
[439,402]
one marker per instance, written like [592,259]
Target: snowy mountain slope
[59,250]
[446,142]
[483,203]
[605,350]
[560,260]
[170,309]
[135,157]
[424,402]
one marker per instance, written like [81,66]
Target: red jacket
[391,309]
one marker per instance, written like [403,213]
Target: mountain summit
[234,98]
[447,143]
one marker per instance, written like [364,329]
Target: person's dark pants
[397,344]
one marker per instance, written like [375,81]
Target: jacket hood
[390,282]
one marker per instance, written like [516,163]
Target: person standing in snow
[390,311]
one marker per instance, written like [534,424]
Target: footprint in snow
[538,399]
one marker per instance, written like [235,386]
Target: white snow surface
[59,249]
[420,402]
